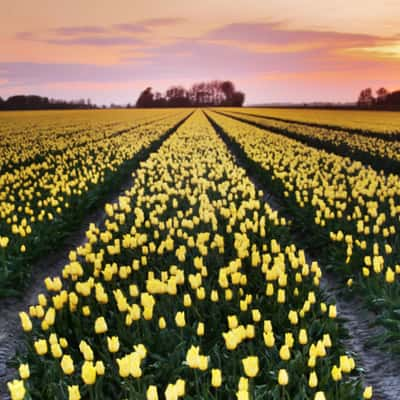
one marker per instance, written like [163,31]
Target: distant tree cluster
[384,99]
[204,94]
[32,102]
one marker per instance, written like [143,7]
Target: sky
[273,50]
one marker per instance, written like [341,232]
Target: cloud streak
[79,30]
[98,41]
[96,35]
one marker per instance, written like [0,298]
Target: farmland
[384,122]
[206,277]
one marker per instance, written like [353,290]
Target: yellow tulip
[24,372]
[336,373]
[4,241]
[25,321]
[180,319]
[187,301]
[100,368]
[250,365]
[332,311]
[200,329]
[243,384]
[269,339]
[17,389]
[171,393]
[281,296]
[303,339]
[113,344]
[390,275]
[124,366]
[193,357]
[293,317]
[88,373]
[86,350]
[100,325]
[232,321]
[284,352]
[151,393]
[313,380]
[162,323]
[283,377]
[242,395]
[41,347]
[67,365]
[216,378]
[368,392]
[180,386]
[74,393]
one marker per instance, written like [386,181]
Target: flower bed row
[375,151]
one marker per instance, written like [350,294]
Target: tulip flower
[216,378]
[283,377]
[24,372]
[368,392]
[151,393]
[74,393]
[88,373]
[250,365]
[67,365]
[100,325]
[17,389]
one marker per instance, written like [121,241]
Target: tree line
[384,100]
[33,102]
[212,93]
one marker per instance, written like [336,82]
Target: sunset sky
[274,50]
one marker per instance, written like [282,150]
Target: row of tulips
[374,151]
[349,211]
[30,137]
[191,288]
[42,201]
[368,123]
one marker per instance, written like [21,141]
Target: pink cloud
[98,41]
[132,28]
[79,30]
[276,33]
[157,22]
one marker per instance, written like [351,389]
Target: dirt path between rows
[380,369]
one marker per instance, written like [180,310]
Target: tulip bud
[24,372]
[100,325]
[250,365]
[152,393]
[283,378]
[368,392]
[74,393]
[67,365]
[216,378]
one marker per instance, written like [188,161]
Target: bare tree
[381,94]
[366,98]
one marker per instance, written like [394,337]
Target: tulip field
[195,285]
